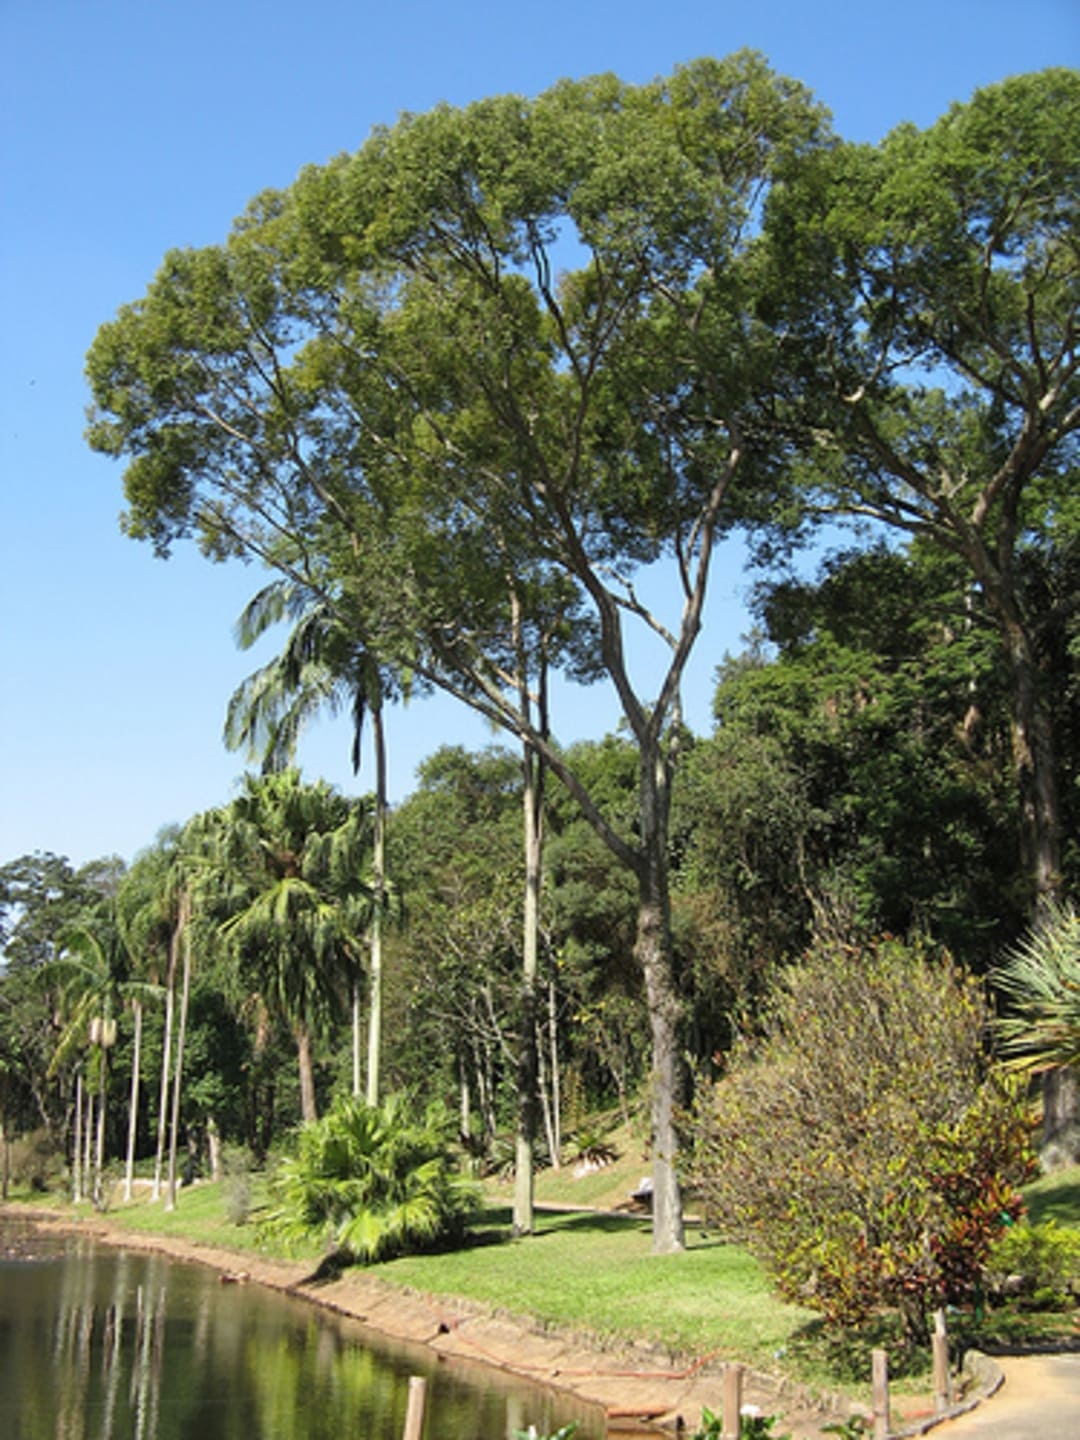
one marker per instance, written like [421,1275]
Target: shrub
[237,1169]
[1038,1262]
[864,1148]
[373,1181]
[36,1163]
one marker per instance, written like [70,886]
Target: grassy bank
[591,1271]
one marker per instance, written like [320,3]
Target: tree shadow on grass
[1055,1197]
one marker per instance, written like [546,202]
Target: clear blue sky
[131,126]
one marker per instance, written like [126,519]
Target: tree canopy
[480,372]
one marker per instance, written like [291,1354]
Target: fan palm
[1041,980]
[373,1180]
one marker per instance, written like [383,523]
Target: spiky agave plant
[1041,979]
[373,1181]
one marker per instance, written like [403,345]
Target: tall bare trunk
[1035,765]
[99,1149]
[133,1103]
[76,1157]
[527,1057]
[556,1084]
[88,1143]
[308,1110]
[166,1059]
[357,1088]
[178,1073]
[375,998]
[653,951]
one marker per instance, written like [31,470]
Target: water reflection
[98,1344]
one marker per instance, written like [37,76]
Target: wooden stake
[414,1415]
[881,1394]
[733,1378]
[942,1381]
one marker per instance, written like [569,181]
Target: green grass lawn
[1055,1197]
[597,1274]
[591,1271]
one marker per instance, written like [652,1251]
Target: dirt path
[1038,1400]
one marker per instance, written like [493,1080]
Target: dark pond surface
[104,1344]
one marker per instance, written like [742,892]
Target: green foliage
[592,1145]
[372,1181]
[237,1177]
[752,1425]
[853,1428]
[1040,979]
[863,1148]
[1039,1263]
[37,1163]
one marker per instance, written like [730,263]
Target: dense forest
[454,454]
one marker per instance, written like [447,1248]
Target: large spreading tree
[934,285]
[480,373]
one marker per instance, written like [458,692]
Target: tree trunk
[76,1158]
[527,1058]
[1060,1145]
[99,1152]
[308,1110]
[379,861]
[133,1103]
[213,1145]
[653,951]
[356,1046]
[464,1102]
[544,1094]
[556,1086]
[185,992]
[88,1143]
[166,1060]
[1035,766]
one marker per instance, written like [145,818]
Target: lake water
[104,1344]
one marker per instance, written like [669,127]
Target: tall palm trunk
[527,1058]
[99,1148]
[166,1058]
[308,1109]
[133,1102]
[76,1157]
[532,770]
[379,862]
[185,991]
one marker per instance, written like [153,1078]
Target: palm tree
[323,665]
[144,917]
[289,856]
[1040,1031]
[1041,978]
[92,971]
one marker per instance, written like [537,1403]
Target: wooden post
[942,1381]
[733,1378]
[881,1394]
[414,1415]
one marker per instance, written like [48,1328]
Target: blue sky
[129,127]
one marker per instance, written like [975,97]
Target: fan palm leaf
[1040,980]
